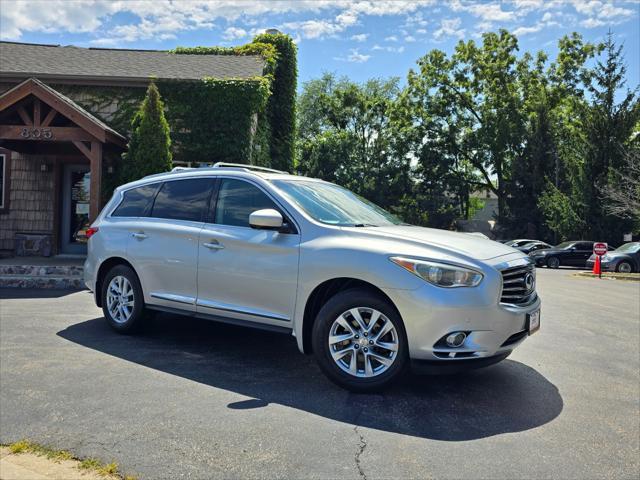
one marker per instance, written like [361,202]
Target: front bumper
[493,329]
[604,266]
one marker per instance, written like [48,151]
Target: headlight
[439,274]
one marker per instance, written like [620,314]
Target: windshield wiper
[360,225]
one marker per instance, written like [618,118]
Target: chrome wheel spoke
[345,324]
[338,355]
[387,326]
[355,313]
[333,339]
[375,316]
[393,347]
[353,363]
[368,371]
[383,360]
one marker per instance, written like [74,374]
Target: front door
[245,273]
[76,180]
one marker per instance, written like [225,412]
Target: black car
[624,259]
[533,246]
[573,254]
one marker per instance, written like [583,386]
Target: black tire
[553,262]
[333,309]
[624,267]
[138,313]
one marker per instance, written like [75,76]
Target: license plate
[533,321]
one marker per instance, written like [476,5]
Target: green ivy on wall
[247,120]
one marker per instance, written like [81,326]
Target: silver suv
[362,291]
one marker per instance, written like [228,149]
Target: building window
[4,182]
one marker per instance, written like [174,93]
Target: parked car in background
[518,242]
[355,286]
[573,254]
[624,259]
[533,246]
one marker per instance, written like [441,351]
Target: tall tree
[609,123]
[149,149]
[345,136]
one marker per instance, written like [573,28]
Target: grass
[92,464]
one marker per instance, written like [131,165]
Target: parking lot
[192,399]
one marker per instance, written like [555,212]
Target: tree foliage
[548,137]
[149,149]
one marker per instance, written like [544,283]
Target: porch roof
[65,106]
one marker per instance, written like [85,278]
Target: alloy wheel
[120,299]
[624,267]
[363,342]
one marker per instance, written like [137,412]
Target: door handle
[213,245]
[139,235]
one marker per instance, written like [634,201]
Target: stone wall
[31,201]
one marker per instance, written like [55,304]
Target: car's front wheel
[624,267]
[359,341]
[122,299]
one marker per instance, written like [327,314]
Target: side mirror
[267,219]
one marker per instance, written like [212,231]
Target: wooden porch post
[95,194]
[95,158]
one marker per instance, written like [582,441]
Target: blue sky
[359,39]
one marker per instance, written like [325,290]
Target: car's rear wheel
[624,267]
[359,341]
[553,262]
[122,299]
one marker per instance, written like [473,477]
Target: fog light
[456,339]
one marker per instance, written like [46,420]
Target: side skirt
[217,318]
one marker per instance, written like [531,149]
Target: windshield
[632,247]
[565,245]
[332,204]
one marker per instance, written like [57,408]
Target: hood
[544,251]
[456,242]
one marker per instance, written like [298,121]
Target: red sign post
[599,249]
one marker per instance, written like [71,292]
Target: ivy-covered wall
[212,120]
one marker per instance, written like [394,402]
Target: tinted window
[136,201]
[584,246]
[237,200]
[183,199]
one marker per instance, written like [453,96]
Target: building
[65,114]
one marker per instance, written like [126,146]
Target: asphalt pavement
[194,399]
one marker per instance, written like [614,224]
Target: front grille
[515,289]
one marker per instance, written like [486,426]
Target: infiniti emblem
[529,281]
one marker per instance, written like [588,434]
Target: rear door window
[136,201]
[183,199]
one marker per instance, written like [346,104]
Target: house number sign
[36,133]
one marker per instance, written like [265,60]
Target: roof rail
[247,167]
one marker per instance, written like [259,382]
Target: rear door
[581,253]
[164,245]
[245,273]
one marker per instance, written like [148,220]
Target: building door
[75,209]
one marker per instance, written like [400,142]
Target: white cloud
[170,17]
[360,37]
[421,31]
[449,27]
[391,38]
[399,49]
[409,38]
[354,57]
[234,33]
[486,11]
